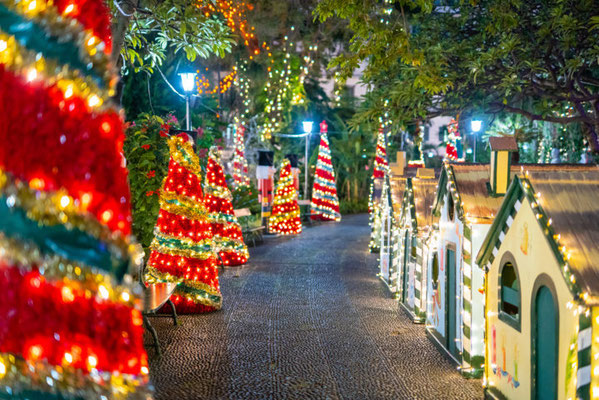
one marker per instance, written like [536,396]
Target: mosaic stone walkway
[305,319]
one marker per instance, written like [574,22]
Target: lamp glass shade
[307,126]
[476,125]
[188,81]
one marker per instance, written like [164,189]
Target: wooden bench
[306,213]
[154,297]
[246,230]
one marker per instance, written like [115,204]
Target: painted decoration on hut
[524,240]
[508,358]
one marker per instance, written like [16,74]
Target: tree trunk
[119,30]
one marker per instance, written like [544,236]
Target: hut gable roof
[420,197]
[423,196]
[472,196]
[567,210]
[398,187]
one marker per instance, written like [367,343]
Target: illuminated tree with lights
[226,231]
[381,168]
[182,249]
[70,319]
[240,164]
[285,215]
[325,204]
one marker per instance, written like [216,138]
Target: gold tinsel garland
[187,207]
[46,15]
[180,252]
[71,380]
[178,146]
[58,208]
[32,67]
[153,275]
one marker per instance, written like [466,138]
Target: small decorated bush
[147,155]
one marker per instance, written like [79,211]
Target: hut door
[545,345]
[451,303]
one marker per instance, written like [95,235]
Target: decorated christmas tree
[285,215]
[182,249]
[70,321]
[228,239]
[381,167]
[325,204]
[240,164]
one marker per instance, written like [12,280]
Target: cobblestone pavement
[305,319]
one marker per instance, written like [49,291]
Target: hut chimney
[501,160]
[398,167]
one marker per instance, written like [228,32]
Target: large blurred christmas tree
[226,231]
[70,325]
[182,249]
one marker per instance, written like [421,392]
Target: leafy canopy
[146,31]
[536,58]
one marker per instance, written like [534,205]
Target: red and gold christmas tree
[285,215]
[228,239]
[70,321]
[182,249]
[325,204]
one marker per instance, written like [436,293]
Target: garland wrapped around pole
[381,168]
[182,249]
[285,215]
[228,238]
[240,164]
[325,203]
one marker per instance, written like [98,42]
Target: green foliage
[352,154]
[147,155]
[534,58]
[157,27]
[246,197]
[353,207]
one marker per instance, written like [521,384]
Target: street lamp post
[307,126]
[476,126]
[188,82]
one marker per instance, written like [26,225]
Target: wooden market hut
[412,242]
[468,198]
[542,286]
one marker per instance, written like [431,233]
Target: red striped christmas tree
[182,249]
[285,215]
[325,204]
[228,239]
